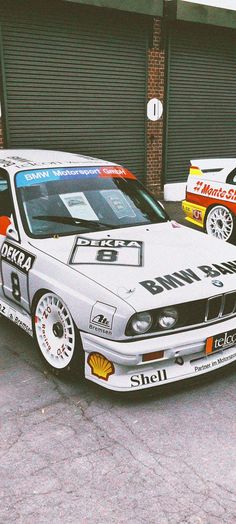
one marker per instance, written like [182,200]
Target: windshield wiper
[72,221]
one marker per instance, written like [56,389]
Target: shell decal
[100,366]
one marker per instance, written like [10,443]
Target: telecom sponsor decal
[187,276]
[107,251]
[101,318]
[215,190]
[17,257]
[221,341]
[37,176]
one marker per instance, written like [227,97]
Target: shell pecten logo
[100,366]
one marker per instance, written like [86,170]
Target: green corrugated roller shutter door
[201,97]
[75,79]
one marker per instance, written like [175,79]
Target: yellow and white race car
[210,201]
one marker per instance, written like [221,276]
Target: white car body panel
[215,169]
[174,245]
[157,265]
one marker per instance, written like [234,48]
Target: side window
[5,197]
[231,178]
[6,205]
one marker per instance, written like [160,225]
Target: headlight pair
[141,323]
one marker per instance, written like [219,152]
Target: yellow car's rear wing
[195,170]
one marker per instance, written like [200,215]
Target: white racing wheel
[220,223]
[56,334]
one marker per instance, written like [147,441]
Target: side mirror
[12,233]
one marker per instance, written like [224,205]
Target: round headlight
[141,323]
[168,317]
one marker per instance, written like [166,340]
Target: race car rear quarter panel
[207,191]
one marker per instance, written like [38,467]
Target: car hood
[149,266]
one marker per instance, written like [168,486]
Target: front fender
[94,308]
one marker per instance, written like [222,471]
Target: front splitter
[126,378]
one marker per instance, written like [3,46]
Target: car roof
[16,159]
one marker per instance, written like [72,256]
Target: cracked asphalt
[74,453]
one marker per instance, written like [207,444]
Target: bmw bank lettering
[188,276]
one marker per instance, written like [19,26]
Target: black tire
[56,335]
[220,223]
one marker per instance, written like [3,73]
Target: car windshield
[64,201]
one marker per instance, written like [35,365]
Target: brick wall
[156,65]
[1,134]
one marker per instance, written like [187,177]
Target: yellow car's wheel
[220,223]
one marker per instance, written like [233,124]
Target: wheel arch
[39,293]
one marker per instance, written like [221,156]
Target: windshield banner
[37,176]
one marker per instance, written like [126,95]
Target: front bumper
[194,213]
[119,366]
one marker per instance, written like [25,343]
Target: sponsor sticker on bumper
[125,379]
[221,341]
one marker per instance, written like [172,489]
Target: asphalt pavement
[74,453]
[174,210]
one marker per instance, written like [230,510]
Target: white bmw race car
[210,200]
[94,269]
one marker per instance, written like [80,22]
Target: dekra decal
[187,276]
[108,242]
[110,251]
[17,257]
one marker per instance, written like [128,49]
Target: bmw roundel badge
[217,283]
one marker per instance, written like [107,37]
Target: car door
[15,262]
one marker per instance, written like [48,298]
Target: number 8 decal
[107,255]
[15,286]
